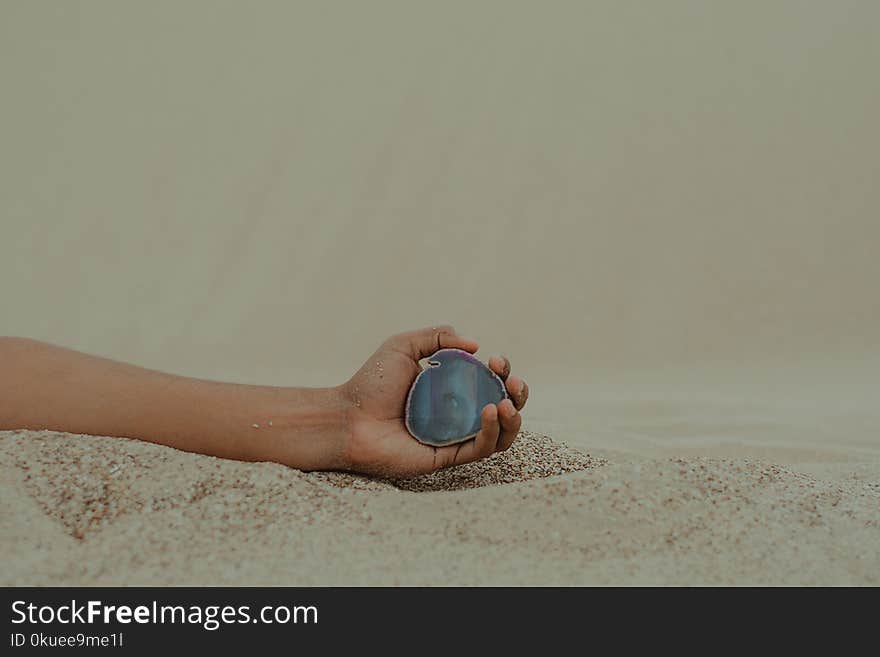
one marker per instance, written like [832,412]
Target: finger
[487,439]
[483,444]
[510,421]
[518,391]
[424,342]
[501,366]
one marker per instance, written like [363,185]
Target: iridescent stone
[444,403]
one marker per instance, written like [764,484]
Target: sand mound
[102,511]
[532,456]
[85,482]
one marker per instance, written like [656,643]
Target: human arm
[356,426]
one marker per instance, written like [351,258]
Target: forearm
[46,387]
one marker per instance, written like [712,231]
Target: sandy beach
[708,493]
[665,214]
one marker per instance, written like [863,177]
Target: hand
[379,442]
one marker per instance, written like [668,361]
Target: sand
[91,510]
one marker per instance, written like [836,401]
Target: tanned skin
[357,426]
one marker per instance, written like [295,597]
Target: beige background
[263,191]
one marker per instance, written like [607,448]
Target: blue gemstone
[445,400]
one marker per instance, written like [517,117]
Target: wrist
[312,430]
